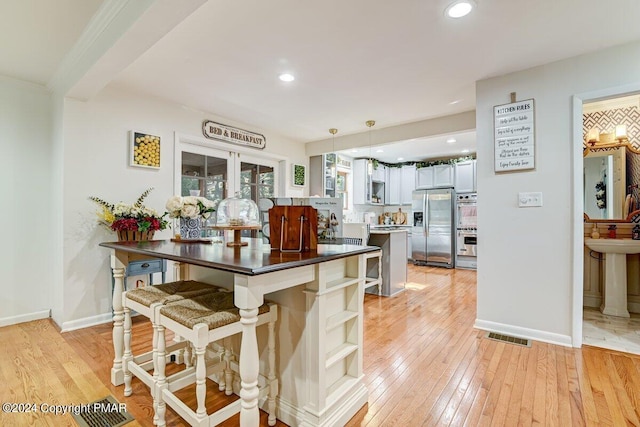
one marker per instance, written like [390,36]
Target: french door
[218,174]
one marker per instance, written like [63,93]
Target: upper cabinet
[407,183]
[380,173]
[435,176]
[394,186]
[368,189]
[322,175]
[400,185]
[465,176]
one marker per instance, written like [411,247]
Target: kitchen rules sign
[514,136]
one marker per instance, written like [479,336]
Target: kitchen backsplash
[357,214]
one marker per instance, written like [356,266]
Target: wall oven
[466,231]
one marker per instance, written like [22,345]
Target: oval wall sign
[213,130]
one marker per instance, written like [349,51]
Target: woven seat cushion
[215,310]
[170,292]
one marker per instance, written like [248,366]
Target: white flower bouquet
[189,207]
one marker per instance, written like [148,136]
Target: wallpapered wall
[606,121]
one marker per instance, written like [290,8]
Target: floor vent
[506,338]
[106,412]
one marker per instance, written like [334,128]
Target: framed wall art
[144,150]
[514,136]
[298,175]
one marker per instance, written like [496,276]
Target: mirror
[604,178]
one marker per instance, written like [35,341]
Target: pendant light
[333,132]
[369,124]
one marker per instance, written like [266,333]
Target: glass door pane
[257,181]
[203,174]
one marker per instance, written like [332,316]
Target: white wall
[26,208]
[525,282]
[96,163]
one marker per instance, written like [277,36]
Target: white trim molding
[532,334]
[86,322]
[28,317]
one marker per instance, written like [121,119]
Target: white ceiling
[35,35]
[393,62]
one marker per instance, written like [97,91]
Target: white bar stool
[203,320]
[144,301]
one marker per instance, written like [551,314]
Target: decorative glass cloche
[237,212]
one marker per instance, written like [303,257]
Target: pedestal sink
[615,280]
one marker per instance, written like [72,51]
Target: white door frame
[578,202]
[258,160]
[221,149]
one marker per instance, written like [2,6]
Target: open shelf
[339,354]
[340,319]
[341,283]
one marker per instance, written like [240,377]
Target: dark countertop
[250,260]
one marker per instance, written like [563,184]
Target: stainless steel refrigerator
[432,232]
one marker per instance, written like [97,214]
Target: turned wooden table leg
[117,374]
[249,365]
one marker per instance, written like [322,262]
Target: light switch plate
[529,200]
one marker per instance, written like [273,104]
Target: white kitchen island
[320,327]
[393,242]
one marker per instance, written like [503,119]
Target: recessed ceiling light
[465,151]
[457,101]
[400,158]
[459,8]
[286,77]
[451,140]
[379,150]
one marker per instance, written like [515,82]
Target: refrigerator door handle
[425,222]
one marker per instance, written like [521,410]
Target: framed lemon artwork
[145,150]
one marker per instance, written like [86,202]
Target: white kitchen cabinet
[361,184]
[379,173]
[443,176]
[322,179]
[424,177]
[407,183]
[394,186]
[465,176]
[435,176]
[365,190]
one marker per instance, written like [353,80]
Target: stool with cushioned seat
[202,320]
[144,300]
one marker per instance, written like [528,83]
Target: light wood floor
[424,365]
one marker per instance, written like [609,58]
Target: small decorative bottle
[612,231]
[635,233]
[594,232]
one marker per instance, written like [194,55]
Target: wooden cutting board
[399,218]
[284,224]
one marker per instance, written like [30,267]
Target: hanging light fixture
[369,124]
[333,132]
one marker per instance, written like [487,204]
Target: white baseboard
[287,413]
[86,322]
[28,317]
[533,334]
